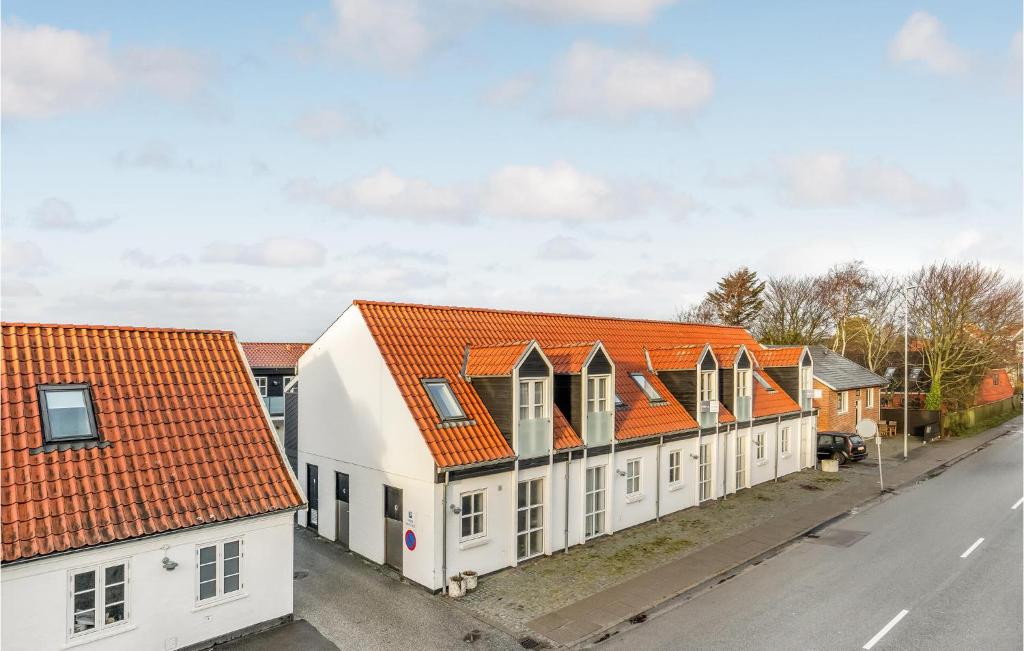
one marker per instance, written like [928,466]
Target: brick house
[845,392]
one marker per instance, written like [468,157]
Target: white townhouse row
[439,440]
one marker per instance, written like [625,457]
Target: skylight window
[619,402]
[645,386]
[441,395]
[889,373]
[764,383]
[66,410]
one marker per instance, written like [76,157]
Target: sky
[257,166]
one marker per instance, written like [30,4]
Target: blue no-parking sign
[410,539]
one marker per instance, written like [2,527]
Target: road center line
[888,627]
[1019,502]
[972,548]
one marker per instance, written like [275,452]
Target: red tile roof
[675,358]
[499,359]
[566,437]
[771,403]
[726,355]
[420,341]
[570,358]
[262,354]
[785,356]
[185,439]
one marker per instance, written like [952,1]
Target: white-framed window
[97,598]
[285,380]
[530,519]
[218,570]
[742,383]
[707,386]
[741,462]
[806,378]
[844,402]
[473,524]
[675,467]
[261,384]
[532,398]
[784,440]
[704,472]
[598,389]
[871,397]
[759,448]
[595,501]
[632,477]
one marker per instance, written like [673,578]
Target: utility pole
[906,366]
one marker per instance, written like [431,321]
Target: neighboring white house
[146,500]
[438,439]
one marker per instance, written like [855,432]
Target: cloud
[562,248]
[922,39]
[391,34]
[605,11]
[57,215]
[48,71]
[599,82]
[144,260]
[157,156]
[23,258]
[16,287]
[830,180]
[271,252]
[389,252]
[389,280]
[510,91]
[559,191]
[385,194]
[327,125]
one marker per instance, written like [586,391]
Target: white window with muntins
[595,501]
[704,472]
[472,515]
[844,402]
[598,393]
[741,462]
[760,451]
[675,468]
[530,519]
[743,383]
[98,598]
[784,441]
[218,570]
[633,478]
[871,397]
[261,383]
[532,399]
[707,386]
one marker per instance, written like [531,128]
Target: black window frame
[426,382]
[44,412]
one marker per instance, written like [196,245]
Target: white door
[595,498]
[741,462]
[704,472]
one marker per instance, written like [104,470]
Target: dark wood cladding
[788,378]
[806,359]
[533,366]
[496,394]
[727,380]
[600,365]
[291,428]
[707,363]
[743,361]
[576,402]
[683,385]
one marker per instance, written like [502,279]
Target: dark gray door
[341,507]
[313,495]
[393,527]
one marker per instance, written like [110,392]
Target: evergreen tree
[737,301]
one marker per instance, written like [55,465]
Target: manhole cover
[529,643]
[300,574]
[838,537]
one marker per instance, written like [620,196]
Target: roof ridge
[276,343]
[92,326]
[493,310]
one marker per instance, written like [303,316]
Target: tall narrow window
[633,478]
[445,404]
[472,515]
[675,468]
[784,440]
[704,472]
[99,598]
[595,502]
[741,462]
[871,396]
[707,386]
[532,399]
[597,393]
[261,384]
[218,570]
[844,402]
[759,448]
[530,519]
[66,411]
[742,383]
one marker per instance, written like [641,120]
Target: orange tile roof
[724,415]
[785,356]
[566,437]
[726,355]
[570,358]
[675,358]
[640,417]
[185,439]
[420,341]
[498,359]
[771,403]
[263,354]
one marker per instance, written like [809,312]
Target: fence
[916,419]
[959,420]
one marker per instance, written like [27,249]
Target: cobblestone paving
[514,596]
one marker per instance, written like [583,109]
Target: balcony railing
[275,405]
[600,427]
[707,418]
[807,399]
[743,407]
[534,437]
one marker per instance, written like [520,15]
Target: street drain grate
[838,537]
[300,574]
[638,619]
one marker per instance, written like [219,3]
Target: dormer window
[645,386]
[743,385]
[707,386]
[532,399]
[445,404]
[598,389]
[67,414]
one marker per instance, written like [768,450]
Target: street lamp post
[906,364]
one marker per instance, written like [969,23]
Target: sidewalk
[591,615]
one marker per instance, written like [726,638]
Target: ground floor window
[759,447]
[218,570]
[530,519]
[99,598]
[784,440]
[741,462]
[675,468]
[632,477]
[704,472]
[595,499]
[472,515]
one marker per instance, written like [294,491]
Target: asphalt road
[843,589]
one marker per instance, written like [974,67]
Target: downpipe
[444,535]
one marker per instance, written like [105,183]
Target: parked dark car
[841,446]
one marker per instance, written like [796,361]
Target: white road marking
[972,548]
[888,627]
[1019,502]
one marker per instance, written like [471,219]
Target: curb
[694,590]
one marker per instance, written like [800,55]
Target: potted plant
[469,578]
[456,587]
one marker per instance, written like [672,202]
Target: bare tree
[697,313]
[961,311]
[876,331]
[843,290]
[793,312]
